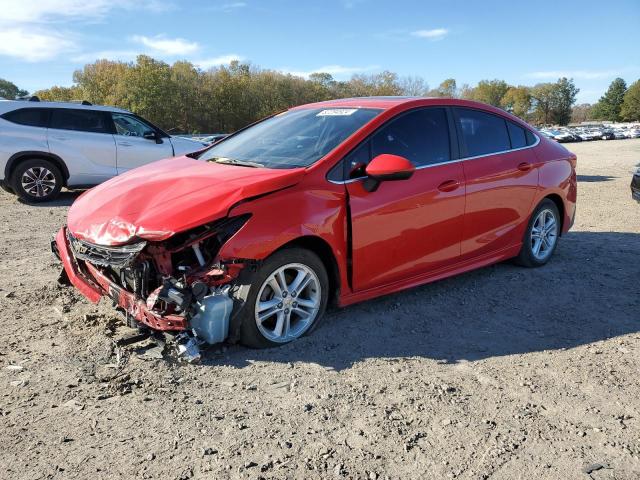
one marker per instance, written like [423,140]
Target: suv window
[421,136]
[80,120]
[483,133]
[32,117]
[130,126]
[518,137]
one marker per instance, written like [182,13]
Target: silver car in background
[45,146]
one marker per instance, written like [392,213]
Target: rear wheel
[37,180]
[541,237]
[284,300]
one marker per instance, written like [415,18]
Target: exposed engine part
[174,293]
[199,290]
[196,250]
[211,323]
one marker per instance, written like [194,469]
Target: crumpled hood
[155,201]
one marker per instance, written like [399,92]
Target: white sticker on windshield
[336,112]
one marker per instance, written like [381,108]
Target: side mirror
[387,167]
[152,136]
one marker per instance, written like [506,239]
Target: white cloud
[33,45]
[434,34]
[167,46]
[228,7]
[207,63]
[578,74]
[334,70]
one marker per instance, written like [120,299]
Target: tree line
[182,98]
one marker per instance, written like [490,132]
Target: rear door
[408,227]
[83,139]
[501,175]
[133,149]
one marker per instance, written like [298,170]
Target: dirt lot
[503,373]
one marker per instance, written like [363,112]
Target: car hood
[156,201]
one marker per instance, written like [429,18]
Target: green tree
[10,91]
[582,113]
[59,94]
[565,98]
[517,100]
[630,110]
[490,91]
[610,104]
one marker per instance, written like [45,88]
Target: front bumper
[94,285]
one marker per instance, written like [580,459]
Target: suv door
[409,227]
[501,174]
[83,139]
[133,149]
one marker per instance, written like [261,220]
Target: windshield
[296,138]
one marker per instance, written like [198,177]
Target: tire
[6,188]
[531,255]
[26,175]
[257,292]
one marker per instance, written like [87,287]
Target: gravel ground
[503,373]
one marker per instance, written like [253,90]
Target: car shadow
[582,296]
[65,199]
[594,178]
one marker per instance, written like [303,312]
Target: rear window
[32,117]
[80,120]
[483,133]
[518,136]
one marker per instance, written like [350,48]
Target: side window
[80,120]
[31,117]
[531,139]
[518,137]
[130,126]
[357,161]
[483,133]
[421,136]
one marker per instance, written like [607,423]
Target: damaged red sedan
[334,202]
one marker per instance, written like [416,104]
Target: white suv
[45,146]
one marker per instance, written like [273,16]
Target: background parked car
[45,146]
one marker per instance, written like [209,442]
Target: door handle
[449,186]
[61,138]
[124,144]
[525,167]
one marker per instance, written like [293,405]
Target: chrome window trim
[534,144]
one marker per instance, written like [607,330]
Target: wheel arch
[323,250]
[557,199]
[20,157]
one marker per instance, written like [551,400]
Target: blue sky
[43,41]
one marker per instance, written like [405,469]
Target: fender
[17,157]
[317,210]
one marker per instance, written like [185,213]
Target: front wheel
[541,237]
[37,180]
[286,299]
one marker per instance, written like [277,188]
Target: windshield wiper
[233,161]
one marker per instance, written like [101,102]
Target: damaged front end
[174,285]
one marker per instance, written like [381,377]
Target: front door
[407,227]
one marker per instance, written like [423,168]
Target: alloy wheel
[38,181]
[288,303]
[544,234]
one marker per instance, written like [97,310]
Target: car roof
[9,105]
[386,103]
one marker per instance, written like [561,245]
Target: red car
[333,202]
